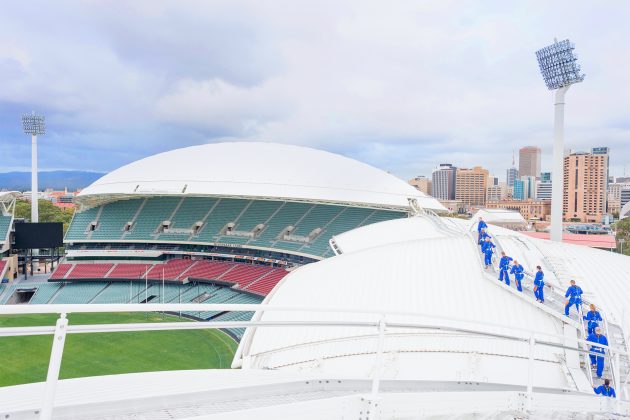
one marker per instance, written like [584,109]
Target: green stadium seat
[216,213]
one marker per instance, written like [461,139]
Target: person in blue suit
[481,226]
[574,294]
[597,361]
[605,390]
[593,317]
[504,267]
[482,238]
[488,250]
[517,270]
[539,285]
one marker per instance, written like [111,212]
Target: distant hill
[58,180]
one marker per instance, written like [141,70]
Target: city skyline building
[529,186]
[545,176]
[444,182]
[529,209]
[624,196]
[518,190]
[524,188]
[543,190]
[421,183]
[496,192]
[585,186]
[471,185]
[529,161]
[511,176]
[613,201]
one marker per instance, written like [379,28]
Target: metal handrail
[379,322]
[613,361]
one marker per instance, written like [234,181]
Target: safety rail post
[614,359]
[616,371]
[530,372]
[59,339]
[624,330]
[378,363]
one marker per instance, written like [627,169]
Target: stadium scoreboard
[38,235]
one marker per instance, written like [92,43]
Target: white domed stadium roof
[431,267]
[257,170]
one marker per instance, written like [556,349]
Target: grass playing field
[25,359]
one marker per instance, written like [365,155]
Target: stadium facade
[215,223]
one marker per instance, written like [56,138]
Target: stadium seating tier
[215,213]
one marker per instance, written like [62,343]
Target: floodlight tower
[559,68]
[34,125]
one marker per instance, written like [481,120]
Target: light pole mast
[34,125]
[559,68]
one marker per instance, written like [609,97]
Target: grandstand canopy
[256,170]
[391,231]
[8,196]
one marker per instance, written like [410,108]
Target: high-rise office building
[529,161]
[545,177]
[421,183]
[444,182]
[496,192]
[512,175]
[471,186]
[613,200]
[518,190]
[585,185]
[543,190]
[529,187]
[524,188]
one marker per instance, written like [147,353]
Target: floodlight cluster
[558,65]
[34,124]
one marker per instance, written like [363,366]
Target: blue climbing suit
[487,248]
[592,317]
[595,359]
[504,267]
[574,293]
[482,239]
[517,270]
[605,391]
[481,225]
[540,286]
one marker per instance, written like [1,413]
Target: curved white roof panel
[391,231]
[260,170]
[499,217]
[440,277]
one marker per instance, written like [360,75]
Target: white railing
[376,320]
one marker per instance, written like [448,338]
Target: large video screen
[38,235]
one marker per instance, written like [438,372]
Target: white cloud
[403,85]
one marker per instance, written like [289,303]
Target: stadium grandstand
[7,207]
[216,223]
[403,322]
[359,300]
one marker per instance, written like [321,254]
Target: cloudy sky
[402,85]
